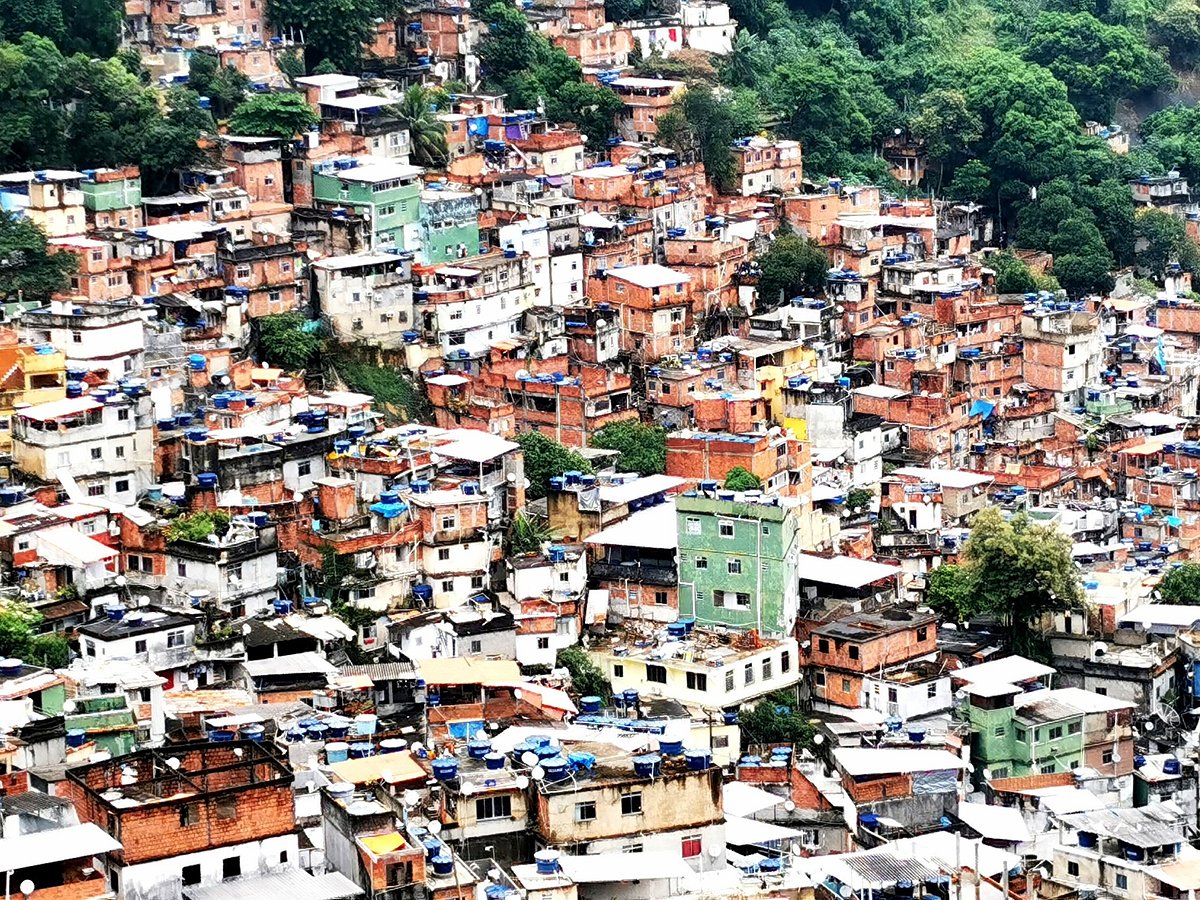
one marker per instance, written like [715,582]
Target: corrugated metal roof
[397,671]
[1137,827]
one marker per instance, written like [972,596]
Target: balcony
[634,571]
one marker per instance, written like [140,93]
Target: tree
[92,27]
[792,267]
[291,64]
[224,86]
[427,133]
[17,623]
[41,17]
[273,115]
[527,534]
[586,678]
[1176,29]
[1012,275]
[27,269]
[1100,64]
[544,459]
[946,126]
[642,448]
[949,592]
[776,719]
[197,526]
[1018,571]
[396,395]
[1163,239]
[972,182]
[49,650]
[289,340]
[334,30]
[174,142]
[1181,585]
[1172,135]
[1081,276]
[740,479]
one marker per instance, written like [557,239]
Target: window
[701,562]
[304,468]
[1055,733]
[922,634]
[931,691]
[476,581]
[1122,882]
[443,554]
[749,673]
[231,867]
[543,643]
[189,815]
[631,804]
[175,638]
[726,529]
[819,679]
[693,525]
[476,646]
[656,674]
[97,453]
[493,808]
[121,486]
[95,490]
[697,681]
[1074,727]
[729,681]
[734,566]
[1048,769]
[999,731]
[852,652]
[632,848]
[823,645]
[766,529]
[585,812]
[893,695]
[119,451]
[139,646]
[785,661]
[660,598]
[191,874]
[691,846]
[447,586]
[1106,757]
[845,685]
[1020,734]
[181,569]
[1103,692]
[766,666]
[449,522]
[234,572]
[619,670]
[227,808]
[1073,869]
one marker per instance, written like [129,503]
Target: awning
[42,848]
[741,799]
[995,823]
[753,833]
[66,546]
[602,868]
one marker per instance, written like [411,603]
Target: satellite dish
[1148,726]
[818,739]
[411,798]
[714,851]
[529,758]
[1116,757]
[481,735]
[173,762]
[797,849]
[416,747]
[434,827]
[789,805]
[844,892]
[238,752]
[388,776]
[297,496]
[120,581]
[27,887]
[68,706]
[467,789]
[538,773]
[494,874]
[987,773]
[522,782]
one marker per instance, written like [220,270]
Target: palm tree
[427,133]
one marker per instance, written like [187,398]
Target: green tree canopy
[19,638]
[642,448]
[1163,239]
[740,479]
[1012,275]
[27,269]
[1100,64]
[792,267]
[334,30]
[289,340]
[776,719]
[545,458]
[273,115]
[224,86]
[1181,585]
[427,133]
[1015,571]
[587,680]
[1172,136]
[526,534]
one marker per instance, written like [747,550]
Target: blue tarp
[982,407]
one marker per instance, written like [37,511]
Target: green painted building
[738,563]
[449,225]
[1015,734]
[107,720]
[387,192]
[107,190]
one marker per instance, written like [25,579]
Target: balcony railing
[639,572]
